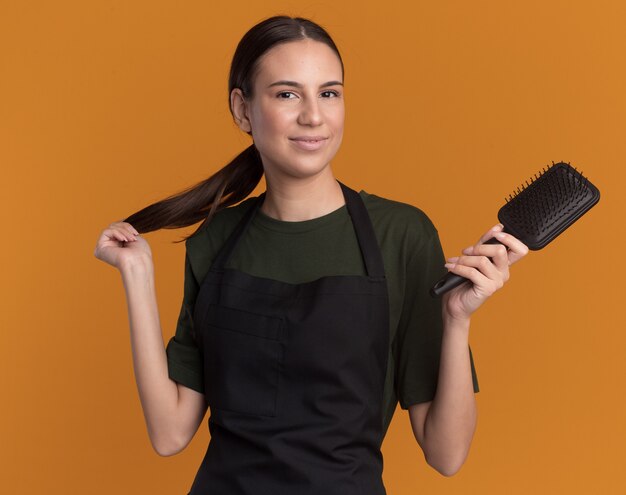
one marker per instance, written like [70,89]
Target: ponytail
[226,187]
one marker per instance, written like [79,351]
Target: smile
[309,143]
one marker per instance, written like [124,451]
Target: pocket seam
[269,328]
[275,324]
[247,334]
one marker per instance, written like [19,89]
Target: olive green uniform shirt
[299,252]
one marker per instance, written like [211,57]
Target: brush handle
[452,280]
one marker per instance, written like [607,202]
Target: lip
[309,143]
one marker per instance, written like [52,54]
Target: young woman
[306,315]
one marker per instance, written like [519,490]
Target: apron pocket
[242,358]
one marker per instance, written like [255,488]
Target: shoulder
[206,242]
[221,225]
[400,221]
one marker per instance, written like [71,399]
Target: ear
[239,108]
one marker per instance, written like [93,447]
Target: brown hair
[236,180]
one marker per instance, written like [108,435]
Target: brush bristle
[540,209]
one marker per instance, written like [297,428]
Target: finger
[484,265]
[117,234]
[126,230]
[490,233]
[517,249]
[130,233]
[483,283]
[125,226]
[131,229]
[123,238]
[497,252]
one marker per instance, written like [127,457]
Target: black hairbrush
[538,212]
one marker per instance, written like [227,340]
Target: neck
[297,200]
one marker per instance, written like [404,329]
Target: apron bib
[294,375]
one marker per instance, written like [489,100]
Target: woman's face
[296,115]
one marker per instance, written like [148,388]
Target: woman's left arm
[444,427]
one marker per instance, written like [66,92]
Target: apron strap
[365,233]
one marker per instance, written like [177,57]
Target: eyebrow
[298,85]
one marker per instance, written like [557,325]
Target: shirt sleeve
[420,329]
[184,360]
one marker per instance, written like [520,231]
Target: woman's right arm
[172,411]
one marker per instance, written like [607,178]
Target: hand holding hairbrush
[539,211]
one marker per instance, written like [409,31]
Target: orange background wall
[108,106]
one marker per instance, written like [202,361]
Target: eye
[334,93]
[280,95]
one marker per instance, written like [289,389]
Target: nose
[310,113]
